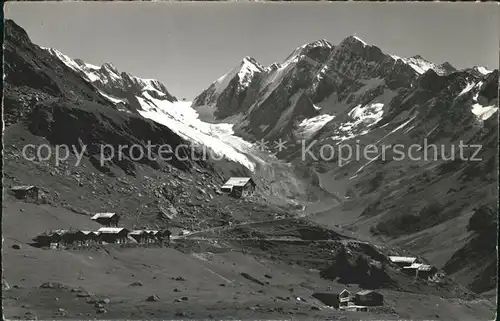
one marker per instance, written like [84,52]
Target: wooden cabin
[107,219]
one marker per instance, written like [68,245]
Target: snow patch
[308,127]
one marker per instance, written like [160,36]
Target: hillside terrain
[310,227]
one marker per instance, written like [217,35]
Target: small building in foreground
[239,186]
[369,298]
[46,239]
[118,235]
[107,219]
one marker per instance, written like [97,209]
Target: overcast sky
[188,45]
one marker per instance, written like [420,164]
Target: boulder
[152,298]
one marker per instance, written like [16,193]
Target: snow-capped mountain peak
[421,65]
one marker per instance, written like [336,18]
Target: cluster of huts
[109,234]
[347,301]
[411,266]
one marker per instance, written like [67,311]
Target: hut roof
[111,230]
[103,215]
[22,187]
